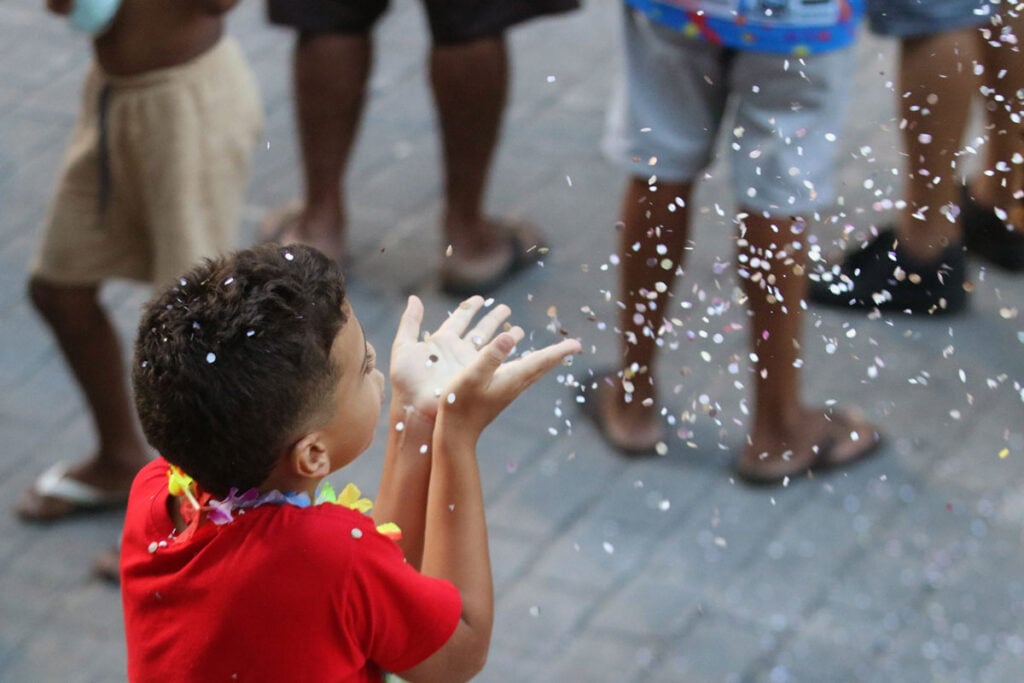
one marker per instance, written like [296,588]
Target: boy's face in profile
[358,395]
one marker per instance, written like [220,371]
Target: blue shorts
[787,116]
[451,21]
[909,18]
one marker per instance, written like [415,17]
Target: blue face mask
[93,16]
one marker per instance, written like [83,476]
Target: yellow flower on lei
[351,497]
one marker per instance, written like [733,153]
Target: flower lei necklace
[220,512]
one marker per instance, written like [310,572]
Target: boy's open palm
[462,365]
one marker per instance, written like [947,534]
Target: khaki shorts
[156,172]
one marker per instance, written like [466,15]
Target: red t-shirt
[282,593]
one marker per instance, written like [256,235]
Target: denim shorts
[787,115]
[909,18]
[451,21]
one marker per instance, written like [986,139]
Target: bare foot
[103,486]
[633,428]
[489,255]
[293,224]
[826,439]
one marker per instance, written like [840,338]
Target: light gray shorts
[788,116]
[908,18]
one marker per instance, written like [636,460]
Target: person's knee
[42,296]
[57,302]
[328,42]
[488,40]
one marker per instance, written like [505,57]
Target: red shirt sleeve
[404,616]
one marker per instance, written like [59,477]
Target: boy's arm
[402,494]
[455,541]
[419,371]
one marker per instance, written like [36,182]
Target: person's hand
[488,384]
[421,369]
[60,6]
[463,370]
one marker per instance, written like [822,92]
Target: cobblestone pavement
[906,568]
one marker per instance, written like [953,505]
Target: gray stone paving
[907,568]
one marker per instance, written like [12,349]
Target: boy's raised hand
[465,358]
[420,369]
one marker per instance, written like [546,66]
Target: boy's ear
[308,457]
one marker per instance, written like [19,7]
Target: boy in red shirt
[253,376]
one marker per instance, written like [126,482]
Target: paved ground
[907,568]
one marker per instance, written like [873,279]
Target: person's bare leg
[936,85]
[1002,54]
[786,435]
[470,86]
[652,245]
[91,348]
[330,71]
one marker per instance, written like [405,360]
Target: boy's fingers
[494,354]
[409,324]
[532,367]
[460,318]
[517,333]
[488,325]
[522,372]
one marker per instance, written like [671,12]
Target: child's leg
[1002,58]
[787,437]
[663,124]
[936,85]
[90,346]
[787,121]
[652,244]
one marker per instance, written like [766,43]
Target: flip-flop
[527,249]
[78,497]
[589,402]
[824,459]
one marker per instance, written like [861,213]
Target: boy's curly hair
[233,362]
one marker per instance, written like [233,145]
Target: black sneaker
[987,236]
[880,276]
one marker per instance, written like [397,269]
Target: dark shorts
[451,21]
